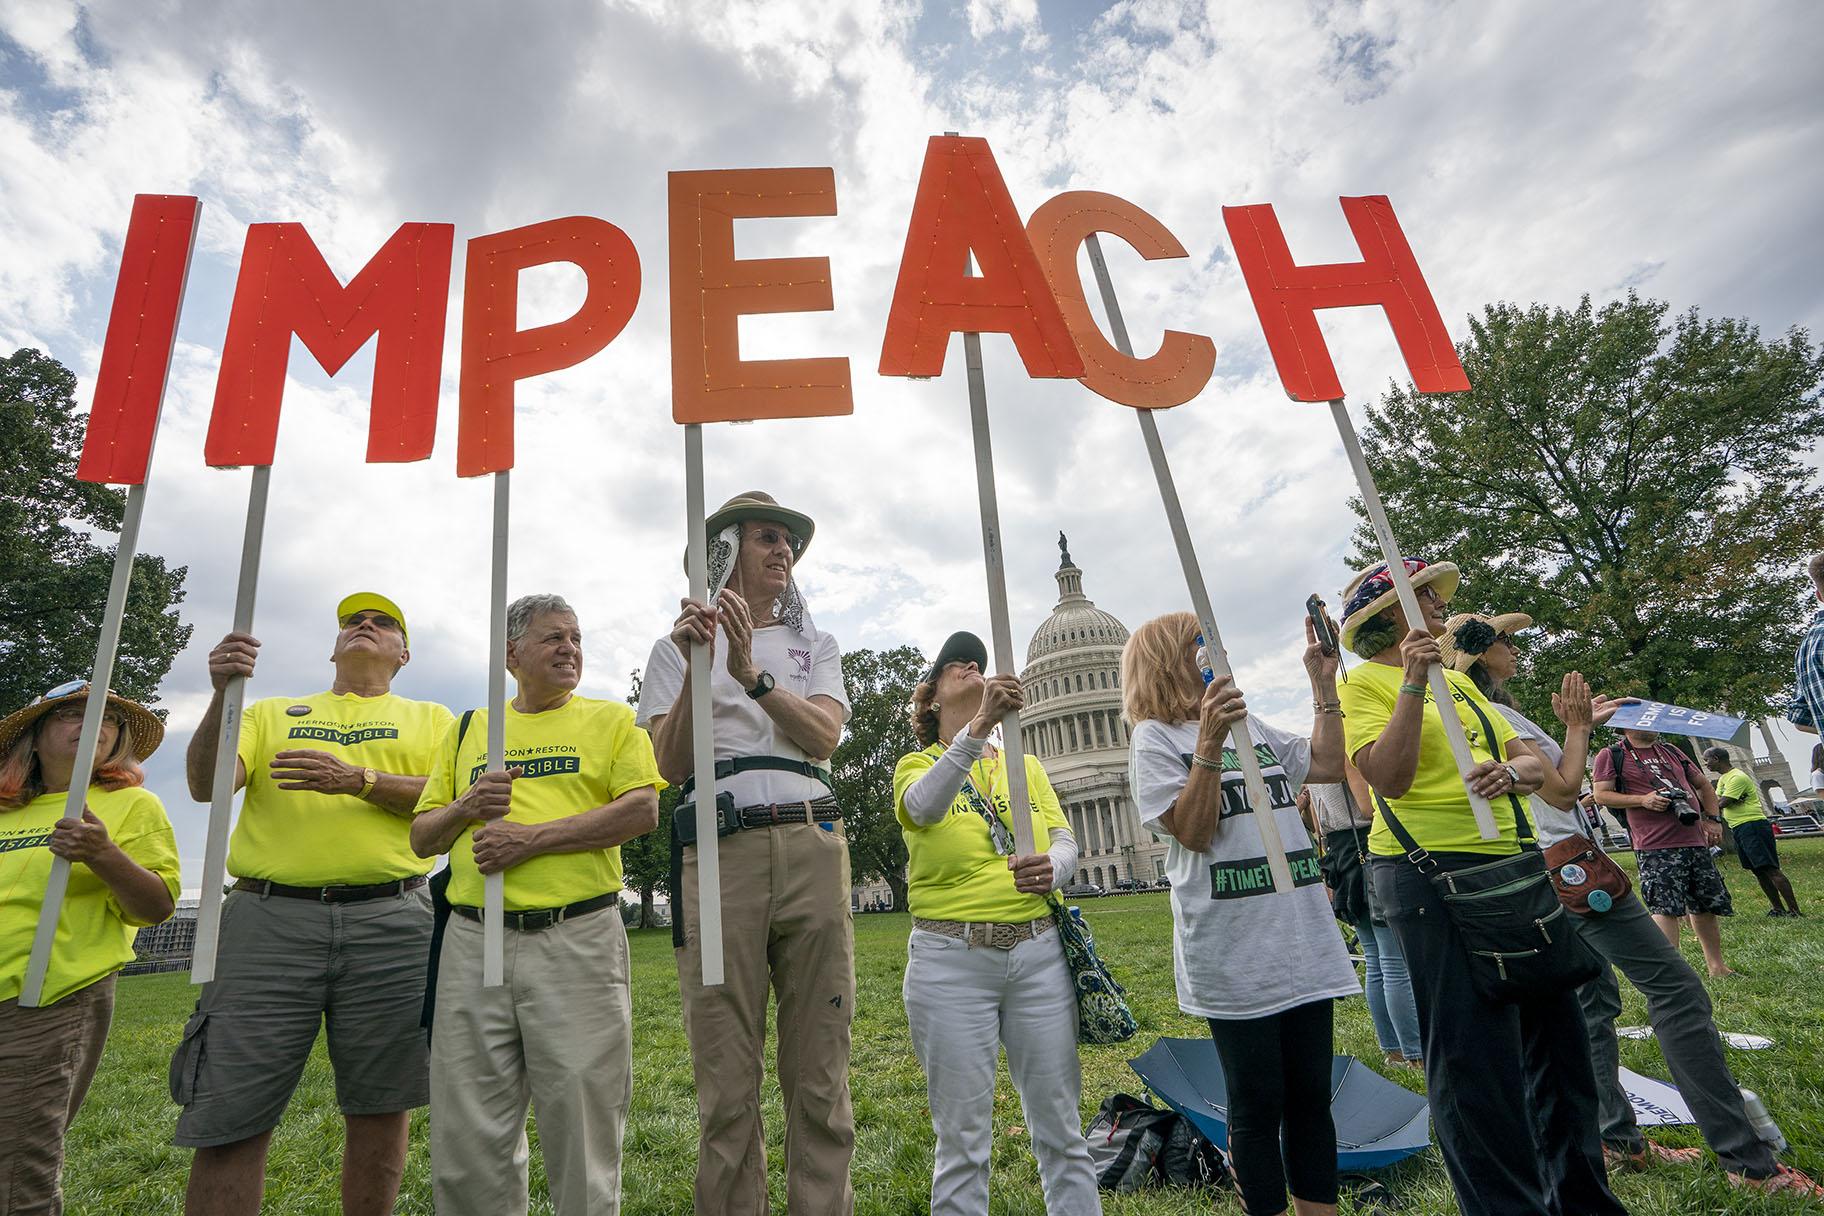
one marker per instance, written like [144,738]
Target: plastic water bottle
[1764,1126]
[1203,661]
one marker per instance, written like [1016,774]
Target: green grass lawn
[120,1160]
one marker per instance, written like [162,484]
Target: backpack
[1133,1144]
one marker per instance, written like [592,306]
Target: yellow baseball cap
[363,600]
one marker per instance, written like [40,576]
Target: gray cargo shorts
[284,967]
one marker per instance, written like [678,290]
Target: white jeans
[556,1036]
[964,1003]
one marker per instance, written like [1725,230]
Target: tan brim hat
[1459,659]
[364,600]
[758,504]
[147,729]
[1444,574]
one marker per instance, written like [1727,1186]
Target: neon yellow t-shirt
[581,755]
[1436,809]
[1737,784]
[305,839]
[954,872]
[94,934]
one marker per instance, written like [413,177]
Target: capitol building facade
[1073,723]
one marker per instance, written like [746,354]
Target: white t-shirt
[1241,951]
[1335,809]
[1550,823]
[804,666]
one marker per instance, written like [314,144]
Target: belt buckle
[323,895]
[1002,937]
[538,922]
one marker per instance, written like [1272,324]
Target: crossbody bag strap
[1488,732]
[1418,855]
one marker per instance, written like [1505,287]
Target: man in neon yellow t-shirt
[580,782]
[328,923]
[1754,840]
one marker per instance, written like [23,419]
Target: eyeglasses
[772,536]
[1428,593]
[73,711]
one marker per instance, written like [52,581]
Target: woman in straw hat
[123,875]
[984,967]
[1512,1093]
[1624,935]
[1263,969]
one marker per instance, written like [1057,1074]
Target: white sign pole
[494,886]
[228,742]
[102,676]
[1024,821]
[1409,604]
[702,723]
[1240,738]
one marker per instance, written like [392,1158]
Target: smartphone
[1314,608]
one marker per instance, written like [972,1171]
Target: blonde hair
[1159,676]
[22,776]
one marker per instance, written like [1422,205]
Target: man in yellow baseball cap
[329,911]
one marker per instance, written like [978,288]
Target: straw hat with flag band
[141,723]
[1468,635]
[362,601]
[1371,592]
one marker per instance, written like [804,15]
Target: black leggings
[1278,1074]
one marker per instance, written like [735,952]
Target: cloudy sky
[1534,152]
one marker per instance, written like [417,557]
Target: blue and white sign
[1677,720]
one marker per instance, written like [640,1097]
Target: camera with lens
[1681,804]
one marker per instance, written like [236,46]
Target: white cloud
[1532,153]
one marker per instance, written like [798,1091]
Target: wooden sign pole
[102,676]
[227,747]
[1409,604]
[1240,738]
[494,886]
[702,723]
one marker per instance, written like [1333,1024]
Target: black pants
[1512,1092]
[1278,1073]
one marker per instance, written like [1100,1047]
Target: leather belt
[730,820]
[332,895]
[534,920]
[993,934]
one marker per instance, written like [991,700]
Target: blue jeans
[1390,1003]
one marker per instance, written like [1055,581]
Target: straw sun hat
[141,723]
[1468,635]
[1371,592]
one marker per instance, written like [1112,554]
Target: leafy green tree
[1637,486]
[646,860]
[880,685]
[53,576]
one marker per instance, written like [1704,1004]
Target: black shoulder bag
[1345,868]
[1517,938]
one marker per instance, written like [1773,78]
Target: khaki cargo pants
[48,1058]
[785,920]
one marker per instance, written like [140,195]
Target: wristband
[1328,707]
[1417,690]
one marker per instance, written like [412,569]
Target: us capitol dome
[1073,723]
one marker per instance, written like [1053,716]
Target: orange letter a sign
[963,207]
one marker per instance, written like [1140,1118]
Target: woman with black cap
[1512,1093]
[984,966]
[123,875]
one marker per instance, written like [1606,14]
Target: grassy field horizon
[121,1161]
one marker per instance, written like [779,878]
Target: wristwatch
[1513,775]
[369,778]
[762,686]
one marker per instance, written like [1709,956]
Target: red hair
[22,776]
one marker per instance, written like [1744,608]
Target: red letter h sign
[1287,295]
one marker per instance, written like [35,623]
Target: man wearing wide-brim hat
[779,704]
[329,921]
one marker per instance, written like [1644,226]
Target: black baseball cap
[958,647]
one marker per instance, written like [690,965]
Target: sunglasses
[772,536]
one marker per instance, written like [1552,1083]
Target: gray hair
[1717,753]
[527,608]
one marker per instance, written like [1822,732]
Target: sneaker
[1778,912]
[1650,1154]
[1783,1181]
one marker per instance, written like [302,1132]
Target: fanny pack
[1586,879]
[1517,938]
